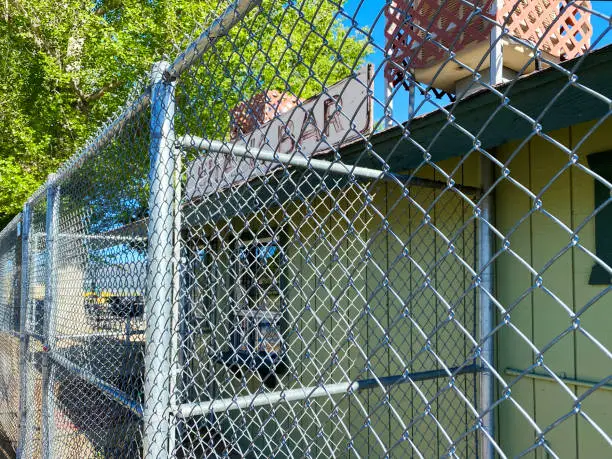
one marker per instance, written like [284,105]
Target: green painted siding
[363,244]
[541,314]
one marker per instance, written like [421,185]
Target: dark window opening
[601,164]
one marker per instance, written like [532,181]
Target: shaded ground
[6,449]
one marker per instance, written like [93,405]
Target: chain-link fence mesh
[9,332]
[96,326]
[354,229]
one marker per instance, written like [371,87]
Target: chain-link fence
[9,336]
[329,228]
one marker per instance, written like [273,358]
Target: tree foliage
[69,64]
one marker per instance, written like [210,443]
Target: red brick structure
[261,108]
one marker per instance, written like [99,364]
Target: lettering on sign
[338,116]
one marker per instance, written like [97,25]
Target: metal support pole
[496,56]
[411,96]
[99,142]
[290,159]
[53,194]
[296,160]
[485,292]
[86,375]
[31,311]
[590,385]
[187,410]
[15,317]
[234,13]
[485,255]
[388,104]
[177,338]
[24,338]
[160,275]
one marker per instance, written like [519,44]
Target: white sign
[343,113]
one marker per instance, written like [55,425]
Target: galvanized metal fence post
[175,357]
[496,57]
[159,299]
[388,104]
[51,229]
[24,337]
[485,255]
[485,293]
[14,324]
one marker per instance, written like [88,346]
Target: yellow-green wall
[348,263]
[338,259]
[538,312]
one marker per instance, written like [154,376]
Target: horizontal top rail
[298,160]
[104,136]
[10,225]
[290,159]
[220,26]
[100,237]
[230,17]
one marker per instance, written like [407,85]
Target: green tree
[69,64]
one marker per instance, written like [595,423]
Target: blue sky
[366,12]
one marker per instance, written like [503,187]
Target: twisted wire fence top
[354,229]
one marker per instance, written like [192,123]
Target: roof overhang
[548,97]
